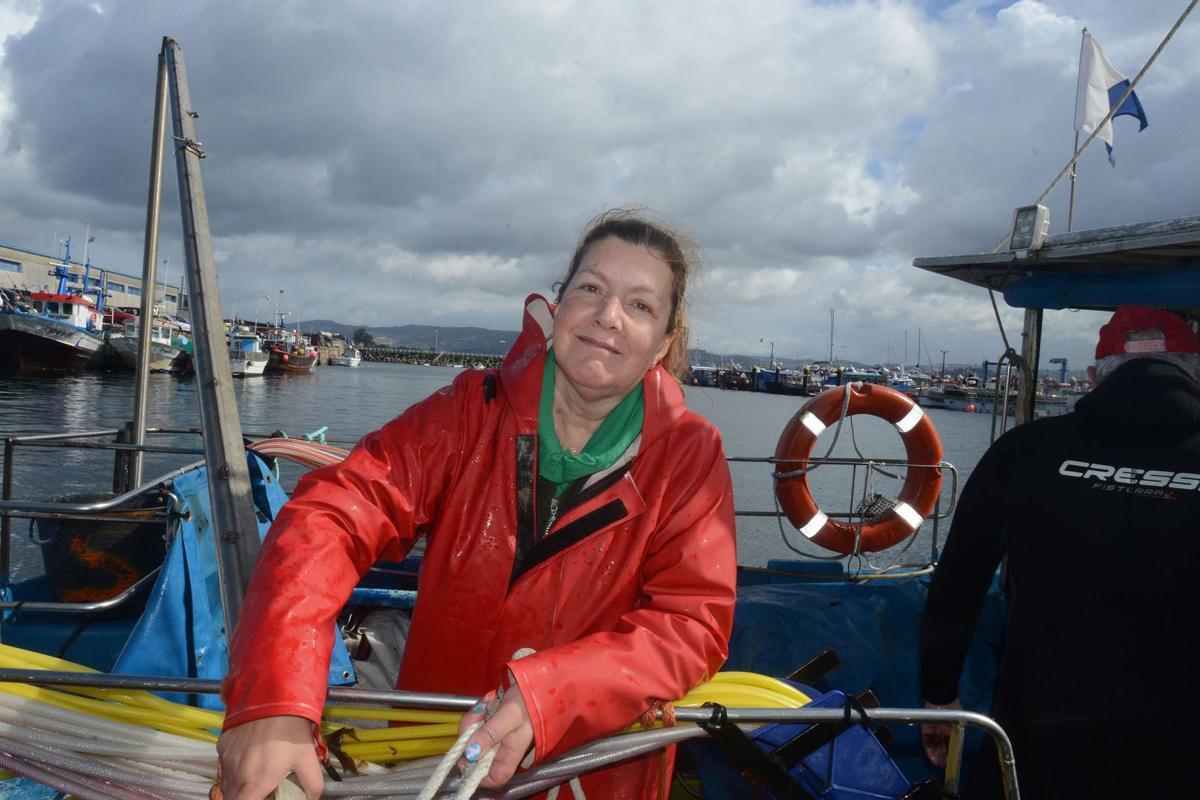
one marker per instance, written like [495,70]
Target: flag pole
[1062,173]
[1075,147]
[1071,200]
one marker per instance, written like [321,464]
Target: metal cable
[77,723]
[632,745]
[66,783]
[102,748]
[59,758]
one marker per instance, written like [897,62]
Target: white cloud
[393,163]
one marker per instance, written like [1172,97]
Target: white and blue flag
[1100,87]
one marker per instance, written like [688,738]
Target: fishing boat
[985,400]
[932,396]
[350,357]
[246,355]
[287,351]
[59,331]
[168,346]
[294,359]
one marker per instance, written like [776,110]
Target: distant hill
[446,338]
[485,341]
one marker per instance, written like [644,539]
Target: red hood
[664,402]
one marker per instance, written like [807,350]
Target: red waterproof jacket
[627,601]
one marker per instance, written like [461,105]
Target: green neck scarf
[622,425]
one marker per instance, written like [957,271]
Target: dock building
[25,269]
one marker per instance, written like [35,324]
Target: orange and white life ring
[917,497]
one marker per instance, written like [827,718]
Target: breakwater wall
[408,355]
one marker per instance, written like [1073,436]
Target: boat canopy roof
[1151,263]
[53,297]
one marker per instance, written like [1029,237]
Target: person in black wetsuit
[1098,514]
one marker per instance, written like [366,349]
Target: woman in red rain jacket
[571,504]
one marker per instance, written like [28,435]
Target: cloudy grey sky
[429,162]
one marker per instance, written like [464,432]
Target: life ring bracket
[917,499]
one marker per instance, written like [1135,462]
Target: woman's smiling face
[611,325]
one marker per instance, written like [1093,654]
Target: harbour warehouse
[25,269]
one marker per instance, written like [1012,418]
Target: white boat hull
[247,364]
[985,405]
[931,400]
[162,356]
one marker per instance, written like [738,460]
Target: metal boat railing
[958,721]
[96,510]
[109,509]
[858,497]
[105,510]
[50,607]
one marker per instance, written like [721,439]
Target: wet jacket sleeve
[974,547]
[340,520]
[675,637]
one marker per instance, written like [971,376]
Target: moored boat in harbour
[287,351]
[282,358]
[984,400]
[246,356]
[49,332]
[59,331]
[168,346]
[932,396]
[350,357]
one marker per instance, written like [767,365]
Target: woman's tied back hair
[634,226]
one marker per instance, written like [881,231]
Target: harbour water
[352,402]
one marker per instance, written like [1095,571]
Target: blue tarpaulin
[182,632]
[875,629]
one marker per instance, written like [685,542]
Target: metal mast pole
[1075,148]
[1071,200]
[831,311]
[234,523]
[149,261]
[1031,346]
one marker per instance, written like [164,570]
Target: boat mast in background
[831,313]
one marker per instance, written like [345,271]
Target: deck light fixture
[1030,226]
